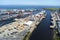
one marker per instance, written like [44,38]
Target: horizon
[27,5]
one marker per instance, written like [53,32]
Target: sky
[30,2]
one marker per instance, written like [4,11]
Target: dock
[21,26]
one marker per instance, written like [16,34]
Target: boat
[53,24]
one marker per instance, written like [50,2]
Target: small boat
[52,24]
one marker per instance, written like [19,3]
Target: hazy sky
[30,2]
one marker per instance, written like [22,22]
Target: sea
[25,7]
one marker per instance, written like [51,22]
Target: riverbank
[32,29]
[21,26]
[43,31]
[55,18]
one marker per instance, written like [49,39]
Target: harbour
[14,27]
[28,24]
[29,19]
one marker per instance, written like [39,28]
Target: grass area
[51,9]
[27,36]
[57,37]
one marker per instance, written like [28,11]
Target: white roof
[42,12]
[22,10]
[29,23]
[37,15]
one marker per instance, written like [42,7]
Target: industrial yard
[19,28]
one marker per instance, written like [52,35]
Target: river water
[43,32]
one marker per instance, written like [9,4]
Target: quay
[19,28]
